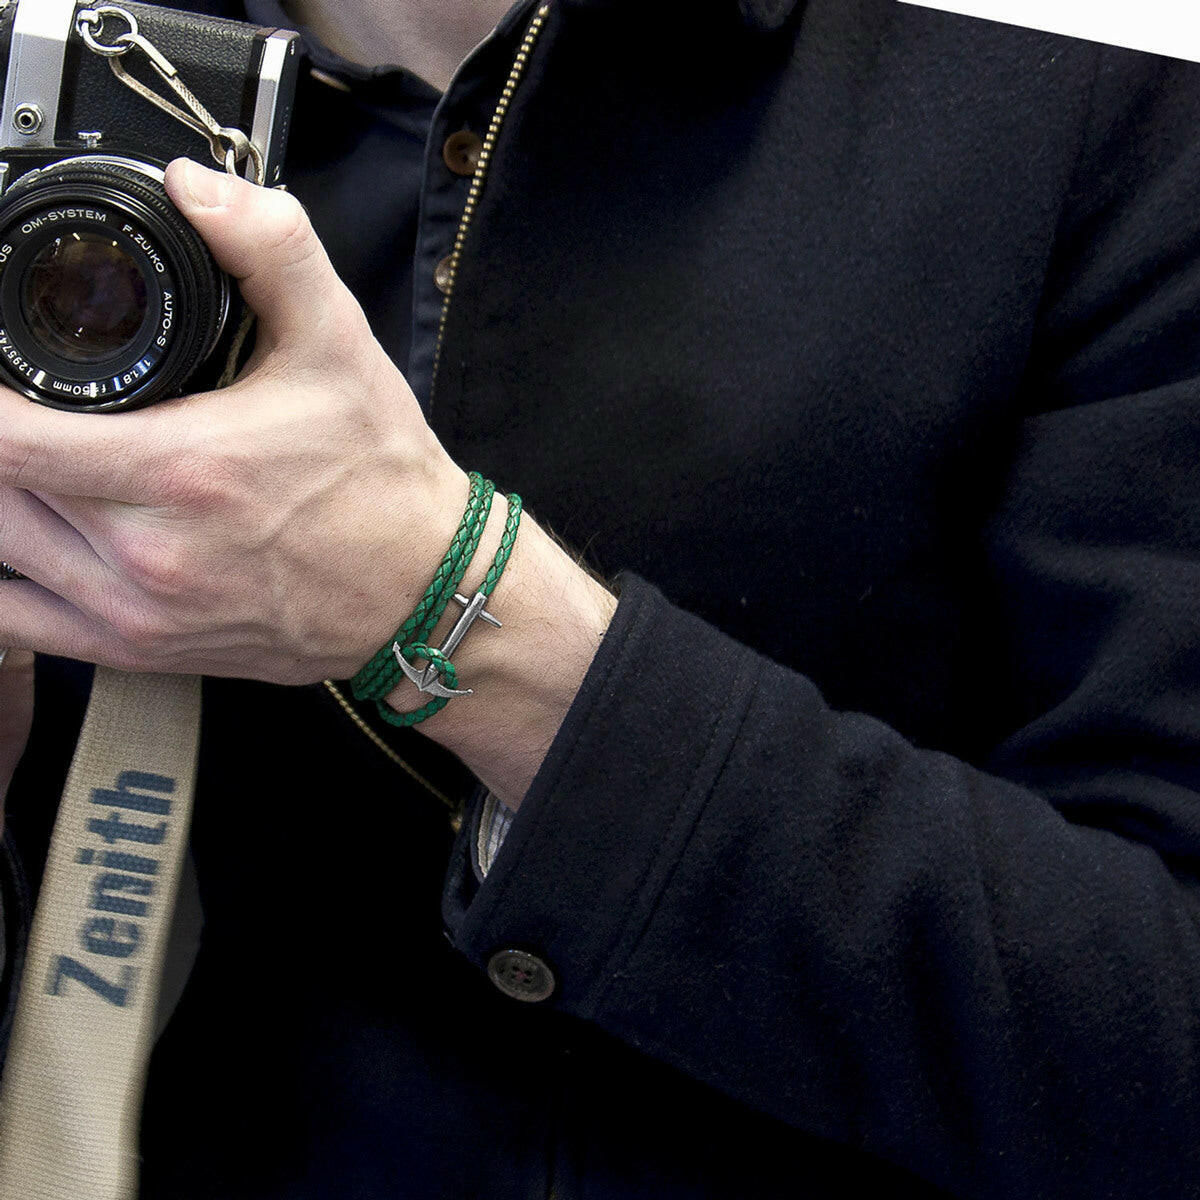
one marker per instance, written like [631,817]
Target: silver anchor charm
[427,680]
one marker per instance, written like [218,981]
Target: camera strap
[229,146]
[88,1006]
[71,1093]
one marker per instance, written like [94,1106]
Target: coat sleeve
[986,972]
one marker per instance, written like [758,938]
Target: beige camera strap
[73,1082]
[71,1093]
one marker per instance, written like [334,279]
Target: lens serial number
[14,357]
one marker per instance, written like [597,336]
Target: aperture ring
[188,298]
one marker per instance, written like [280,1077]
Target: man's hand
[281,528]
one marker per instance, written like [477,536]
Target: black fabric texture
[909,409]
[15,915]
[864,340]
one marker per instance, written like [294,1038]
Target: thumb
[263,238]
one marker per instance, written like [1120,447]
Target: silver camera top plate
[41,30]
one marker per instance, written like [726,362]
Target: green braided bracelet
[381,674]
[427,614]
[506,544]
[445,668]
[446,672]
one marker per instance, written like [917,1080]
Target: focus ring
[193,307]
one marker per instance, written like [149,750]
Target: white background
[1160,26]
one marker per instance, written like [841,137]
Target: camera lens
[84,298]
[108,298]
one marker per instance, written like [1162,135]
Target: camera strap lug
[230,147]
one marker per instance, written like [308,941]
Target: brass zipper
[348,709]
[485,157]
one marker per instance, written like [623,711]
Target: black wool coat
[865,339]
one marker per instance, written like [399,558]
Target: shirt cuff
[495,820]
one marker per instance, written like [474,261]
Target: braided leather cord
[506,544]
[448,675]
[475,519]
[446,669]
[381,674]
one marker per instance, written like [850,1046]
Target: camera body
[108,298]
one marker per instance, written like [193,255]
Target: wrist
[525,675]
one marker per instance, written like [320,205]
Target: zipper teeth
[485,157]
[346,707]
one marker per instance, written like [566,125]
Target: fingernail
[207,189]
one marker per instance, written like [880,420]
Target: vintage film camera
[108,298]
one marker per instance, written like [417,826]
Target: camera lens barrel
[108,298]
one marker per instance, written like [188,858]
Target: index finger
[108,455]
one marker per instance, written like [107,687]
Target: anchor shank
[474,608]
[463,623]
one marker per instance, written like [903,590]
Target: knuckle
[349,333]
[153,567]
[168,577]
[289,233]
